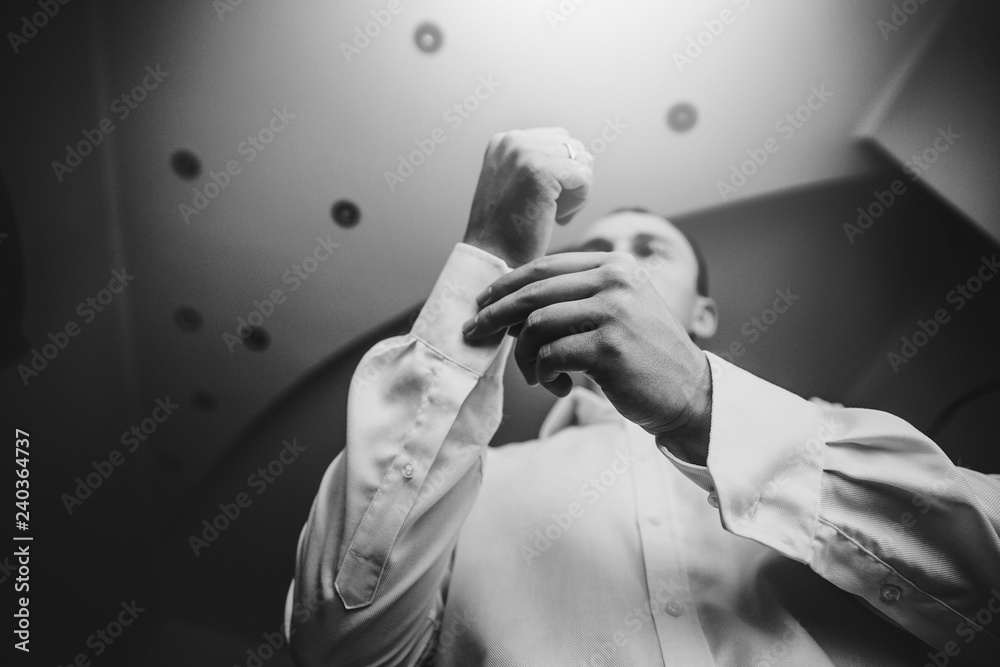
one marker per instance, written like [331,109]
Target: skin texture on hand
[597,312]
[527,184]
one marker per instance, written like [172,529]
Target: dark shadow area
[12,342]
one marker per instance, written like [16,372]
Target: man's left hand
[599,313]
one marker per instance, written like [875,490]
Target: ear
[705,317]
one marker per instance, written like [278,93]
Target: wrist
[492,248]
[688,440]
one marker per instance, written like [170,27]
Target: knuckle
[544,355]
[534,321]
[609,308]
[540,267]
[495,141]
[514,140]
[585,171]
[546,360]
[615,274]
[485,317]
[530,295]
[606,342]
[525,159]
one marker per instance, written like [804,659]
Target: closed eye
[645,245]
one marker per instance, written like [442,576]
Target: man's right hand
[527,183]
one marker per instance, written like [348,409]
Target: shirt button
[713,500]
[674,607]
[890,593]
[408,471]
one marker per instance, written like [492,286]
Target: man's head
[677,268]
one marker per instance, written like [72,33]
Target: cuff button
[408,471]
[890,593]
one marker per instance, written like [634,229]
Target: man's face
[666,254]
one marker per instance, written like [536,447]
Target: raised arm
[861,496]
[867,501]
[374,555]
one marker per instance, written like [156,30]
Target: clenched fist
[530,180]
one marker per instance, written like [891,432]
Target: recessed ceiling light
[345,213]
[428,37]
[682,117]
[186,164]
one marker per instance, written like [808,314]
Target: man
[675,509]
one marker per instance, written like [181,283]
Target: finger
[552,142]
[580,153]
[569,147]
[567,158]
[574,177]
[515,330]
[576,180]
[515,308]
[548,324]
[539,269]
[560,386]
[578,352]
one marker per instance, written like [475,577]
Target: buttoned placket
[682,640]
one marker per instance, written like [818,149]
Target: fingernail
[469,325]
[484,296]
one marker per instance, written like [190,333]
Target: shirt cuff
[467,272]
[766,456]
[694,472]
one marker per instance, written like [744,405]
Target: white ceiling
[609,60]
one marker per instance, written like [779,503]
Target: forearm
[842,490]
[376,548]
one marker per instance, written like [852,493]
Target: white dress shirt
[816,535]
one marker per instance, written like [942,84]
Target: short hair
[701,281]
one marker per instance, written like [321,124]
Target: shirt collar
[580,407]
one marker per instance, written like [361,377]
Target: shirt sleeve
[374,555]
[864,499]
